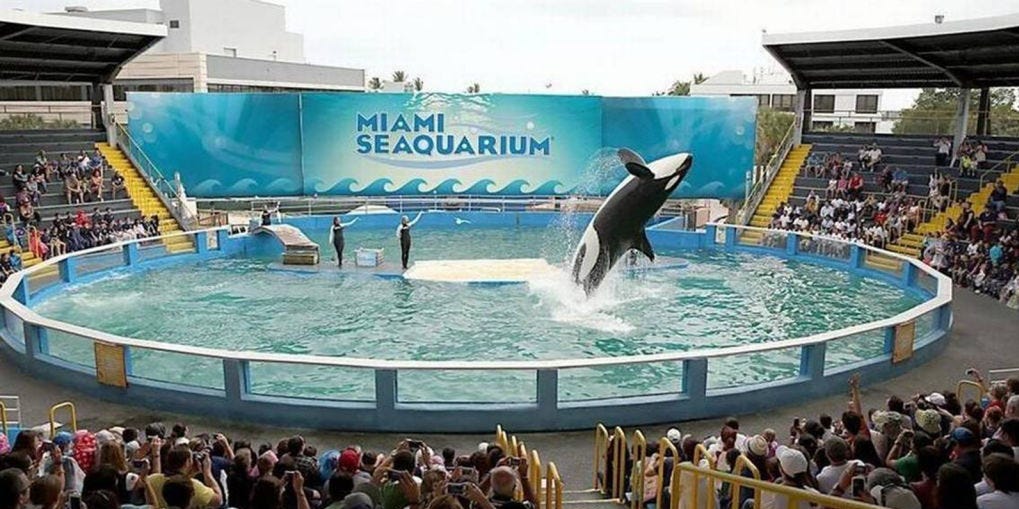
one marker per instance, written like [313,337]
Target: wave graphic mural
[427,143]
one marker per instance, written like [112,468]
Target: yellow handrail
[795,495]
[700,452]
[53,420]
[639,454]
[618,463]
[553,488]
[969,383]
[601,451]
[663,445]
[3,416]
[744,462]
[534,473]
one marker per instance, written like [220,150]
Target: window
[63,93]
[864,127]
[174,23]
[824,104]
[762,99]
[18,93]
[866,104]
[821,125]
[783,102]
[230,52]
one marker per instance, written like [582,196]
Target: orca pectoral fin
[643,245]
[635,164]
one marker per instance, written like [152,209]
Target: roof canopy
[47,47]
[973,53]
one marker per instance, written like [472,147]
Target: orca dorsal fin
[643,245]
[635,164]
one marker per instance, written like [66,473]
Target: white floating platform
[516,270]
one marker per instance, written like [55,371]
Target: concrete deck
[983,337]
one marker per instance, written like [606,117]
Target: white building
[859,110]
[211,46]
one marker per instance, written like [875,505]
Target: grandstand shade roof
[974,53]
[49,47]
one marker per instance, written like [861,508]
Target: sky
[609,47]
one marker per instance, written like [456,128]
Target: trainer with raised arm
[336,238]
[403,233]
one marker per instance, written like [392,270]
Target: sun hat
[758,445]
[357,501]
[792,461]
[935,398]
[929,420]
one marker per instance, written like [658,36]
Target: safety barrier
[537,473]
[639,455]
[692,484]
[3,416]
[53,417]
[900,342]
[601,447]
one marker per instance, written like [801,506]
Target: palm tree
[399,76]
[375,83]
[699,78]
[474,88]
[418,84]
[585,92]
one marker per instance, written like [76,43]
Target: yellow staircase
[778,192]
[911,243]
[144,198]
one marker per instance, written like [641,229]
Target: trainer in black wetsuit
[336,238]
[403,233]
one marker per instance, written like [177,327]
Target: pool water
[718,300]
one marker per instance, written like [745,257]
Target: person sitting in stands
[153,226]
[73,189]
[95,185]
[5,265]
[180,466]
[36,244]
[28,214]
[998,199]
[117,184]
[900,180]
[944,147]
[980,155]
[967,167]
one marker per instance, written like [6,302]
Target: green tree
[375,83]
[418,84]
[933,112]
[683,87]
[699,78]
[399,76]
[474,88]
[772,126]
[585,92]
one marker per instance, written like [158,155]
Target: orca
[618,225]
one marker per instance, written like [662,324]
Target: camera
[469,472]
[198,457]
[456,488]
[859,484]
[48,446]
[513,461]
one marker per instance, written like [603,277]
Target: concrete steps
[781,187]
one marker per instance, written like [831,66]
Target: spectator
[955,488]
[944,147]
[14,489]
[1001,473]
[179,462]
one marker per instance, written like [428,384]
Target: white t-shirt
[772,500]
[998,500]
[829,477]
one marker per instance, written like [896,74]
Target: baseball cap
[674,435]
[349,461]
[791,460]
[936,398]
[964,436]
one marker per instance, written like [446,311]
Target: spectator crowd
[926,451]
[159,468]
[82,178]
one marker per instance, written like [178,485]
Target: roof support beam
[898,47]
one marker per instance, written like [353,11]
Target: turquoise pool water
[718,300]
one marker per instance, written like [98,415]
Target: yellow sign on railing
[111,368]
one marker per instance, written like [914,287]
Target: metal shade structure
[977,53]
[56,48]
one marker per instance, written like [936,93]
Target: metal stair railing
[756,193]
[164,188]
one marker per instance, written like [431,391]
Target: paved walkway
[984,337]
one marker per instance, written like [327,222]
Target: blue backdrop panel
[222,144]
[447,143]
[718,131]
[378,144]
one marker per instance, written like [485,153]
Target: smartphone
[288,475]
[48,446]
[513,462]
[469,472]
[415,444]
[140,464]
[74,501]
[859,484]
[395,475]
[198,457]
[860,469]
[456,488]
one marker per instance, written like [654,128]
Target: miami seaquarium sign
[425,135]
